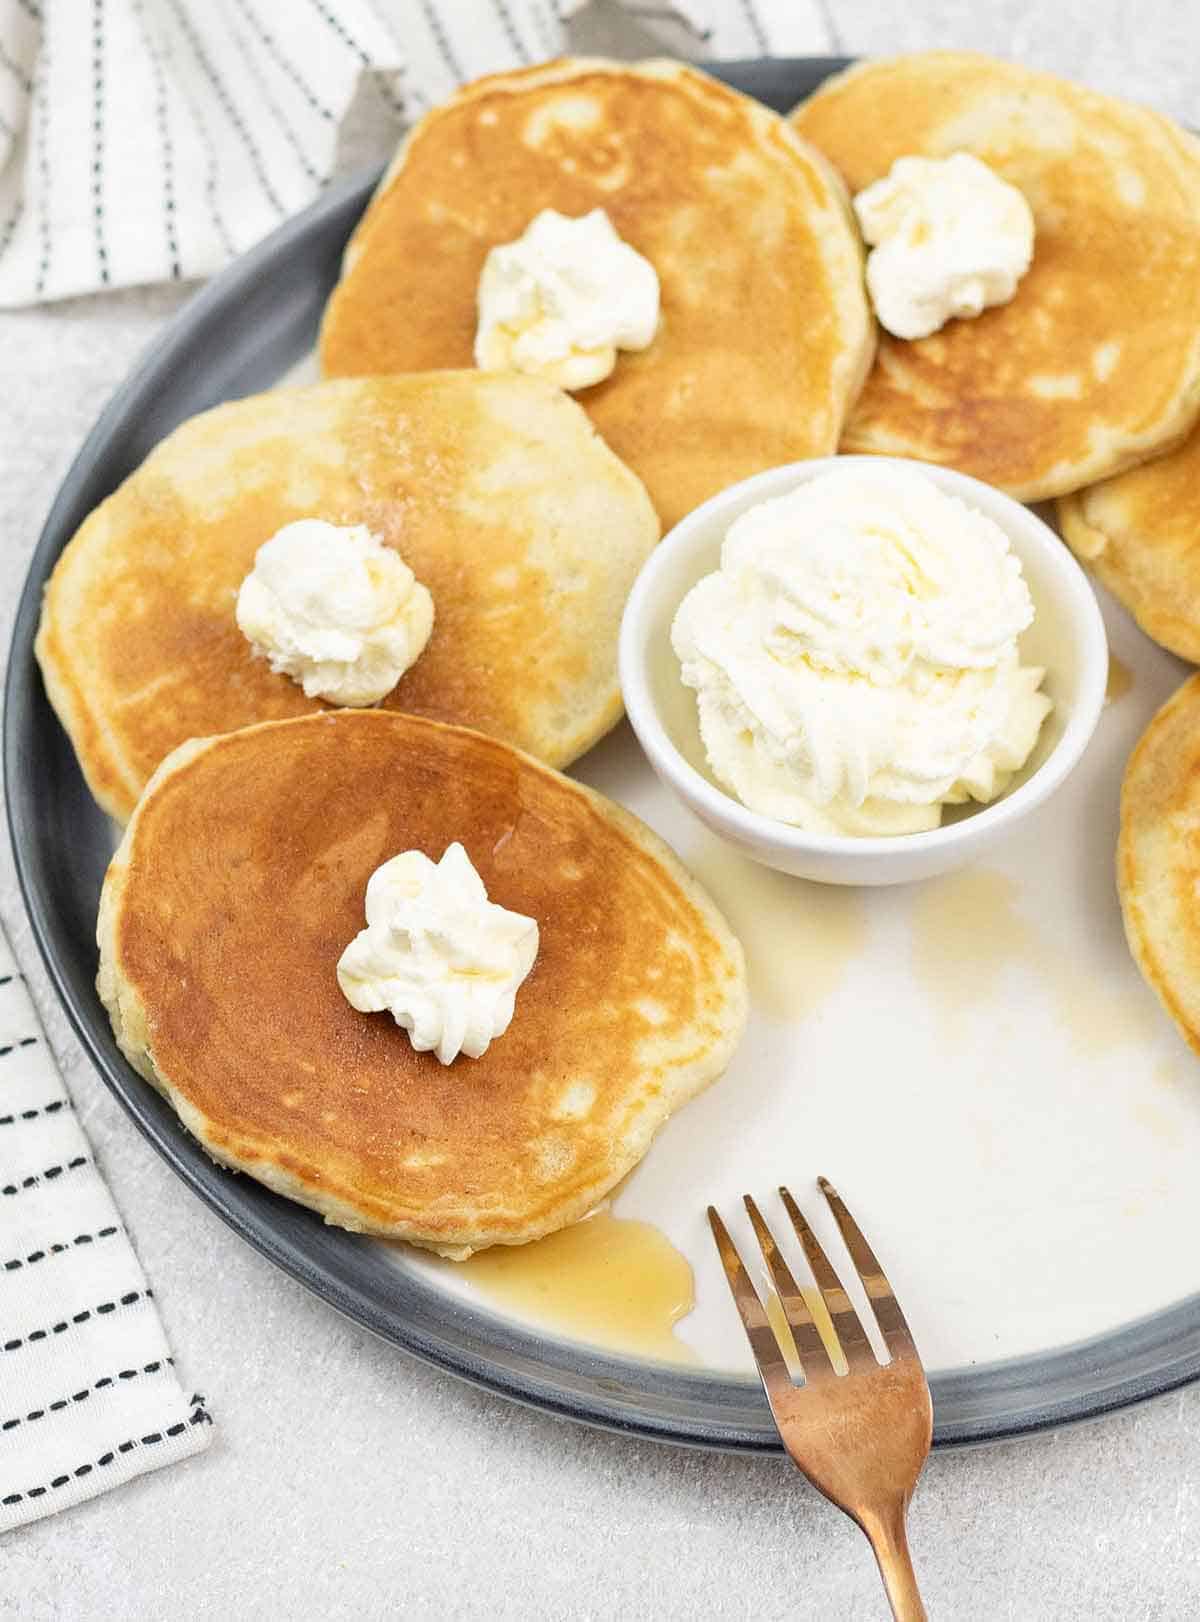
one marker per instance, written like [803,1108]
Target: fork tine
[856,1347]
[767,1354]
[882,1297]
[810,1349]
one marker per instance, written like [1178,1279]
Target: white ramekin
[1067,637]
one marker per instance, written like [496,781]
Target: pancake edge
[1097,548]
[1136,449]
[111,779]
[1178,988]
[130,1020]
[112,788]
[861,330]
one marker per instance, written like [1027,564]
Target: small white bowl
[1067,637]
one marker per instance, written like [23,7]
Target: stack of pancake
[499,492]
[255,815]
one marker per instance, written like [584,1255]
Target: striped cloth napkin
[89,1394]
[151,140]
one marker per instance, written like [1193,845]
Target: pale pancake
[1095,363]
[765,335]
[1158,857]
[495,489]
[1139,534]
[241,879]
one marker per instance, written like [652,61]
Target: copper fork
[862,1436]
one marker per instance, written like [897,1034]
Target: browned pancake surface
[764,338]
[1095,363]
[241,881]
[495,489]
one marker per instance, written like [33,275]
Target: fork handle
[889,1539]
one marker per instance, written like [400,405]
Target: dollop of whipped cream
[563,298]
[949,239]
[855,657]
[441,958]
[336,610]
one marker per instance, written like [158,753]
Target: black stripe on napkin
[100,1311]
[212,169]
[286,65]
[16,70]
[164,136]
[442,40]
[48,1175]
[121,1377]
[41,105]
[35,1256]
[510,29]
[352,44]
[52,1108]
[235,118]
[8,229]
[756,26]
[541,21]
[98,139]
[198,1416]
[836,42]
[273,107]
[25,1042]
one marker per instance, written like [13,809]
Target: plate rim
[554,1383]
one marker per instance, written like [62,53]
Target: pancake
[1158,857]
[765,335]
[1094,365]
[1139,534]
[496,490]
[240,880]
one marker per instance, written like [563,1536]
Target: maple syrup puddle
[968,928]
[1120,679]
[799,937]
[615,1282]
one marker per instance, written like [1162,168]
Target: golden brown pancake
[1158,857]
[1094,365]
[765,335]
[496,490]
[1139,534]
[239,882]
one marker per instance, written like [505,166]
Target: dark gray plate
[237,336]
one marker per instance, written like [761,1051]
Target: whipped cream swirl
[950,238]
[563,298]
[336,610]
[441,958]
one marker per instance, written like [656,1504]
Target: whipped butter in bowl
[855,657]
[861,669]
